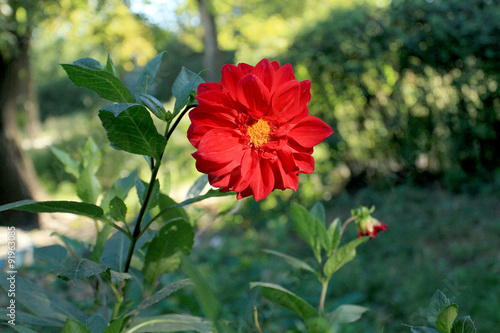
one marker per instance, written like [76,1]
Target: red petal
[253,94]
[263,181]
[282,75]
[245,68]
[286,171]
[230,77]
[265,72]
[285,102]
[249,163]
[310,131]
[209,86]
[220,146]
[304,162]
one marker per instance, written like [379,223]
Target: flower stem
[324,288]
[349,220]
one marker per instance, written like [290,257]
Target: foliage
[409,86]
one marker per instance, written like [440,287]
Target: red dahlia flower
[253,131]
[371,227]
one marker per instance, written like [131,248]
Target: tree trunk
[212,55]
[18,179]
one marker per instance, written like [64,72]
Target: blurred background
[409,87]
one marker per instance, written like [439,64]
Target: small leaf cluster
[330,256]
[442,317]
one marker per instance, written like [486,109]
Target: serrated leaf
[148,74]
[304,223]
[464,325]
[437,304]
[176,236]
[342,256]
[285,298]
[118,209]
[161,294]
[73,326]
[186,82]
[346,313]
[70,166]
[118,276]
[100,81]
[133,130]
[80,269]
[446,318]
[171,323]
[41,302]
[154,106]
[295,263]
[203,292]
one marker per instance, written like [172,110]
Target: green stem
[324,288]
[137,230]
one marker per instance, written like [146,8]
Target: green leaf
[133,130]
[96,324]
[117,324]
[286,299]
[78,208]
[345,314]
[161,256]
[154,106]
[141,188]
[172,213]
[161,294]
[342,256]
[333,233]
[295,263]
[304,223]
[423,329]
[88,187]
[23,317]
[464,325]
[115,252]
[49,258]
[72,326]
[118,209]
[100,81]
[91,155]
[110,67]
[115,276]
[204,294]
[184,84]
[41,302]
[446,318]
[70,166]
[438,303]
[80,269]
[120,188]
[197,187]
[90,64]
[171,323]
[20,329]
[322,236]
[318,212]
[102,237]
[148,74]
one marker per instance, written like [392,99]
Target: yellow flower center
[259,133]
